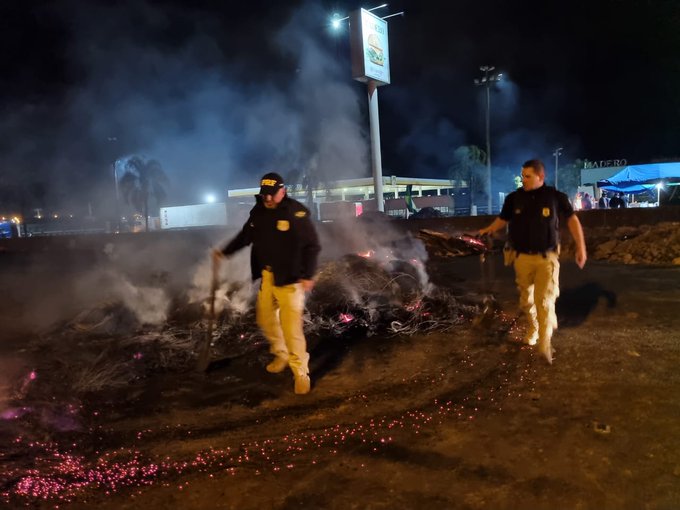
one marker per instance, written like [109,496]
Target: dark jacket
[283,238]
[534,217]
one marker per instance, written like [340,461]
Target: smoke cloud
[188,89]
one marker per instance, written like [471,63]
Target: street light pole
[487,80]
[114,139]
[557,154]
[115,178]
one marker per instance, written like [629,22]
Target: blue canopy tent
[639,178]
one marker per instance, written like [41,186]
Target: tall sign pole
[376,156]
[371,65]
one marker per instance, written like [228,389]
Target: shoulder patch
[300,214]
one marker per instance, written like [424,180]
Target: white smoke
[235,290]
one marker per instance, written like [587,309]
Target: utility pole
[114,140]
[557,154]
[487,80]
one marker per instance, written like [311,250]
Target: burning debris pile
[362,294]
[647,244]
[108,347]
[445,245]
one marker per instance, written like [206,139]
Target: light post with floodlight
[486,81]
[370,65]
[114,139]
[557,153]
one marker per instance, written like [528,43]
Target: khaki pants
[279,315]
[537,279]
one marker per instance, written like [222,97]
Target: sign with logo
[370,49]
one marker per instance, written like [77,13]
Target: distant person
[533,213]
[623,200]
[577,201]
[603,203]
[284,254]
[586,202]
[615,202]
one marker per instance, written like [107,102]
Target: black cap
[270,183]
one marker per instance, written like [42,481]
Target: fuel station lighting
[659,187]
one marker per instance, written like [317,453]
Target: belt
[529,252]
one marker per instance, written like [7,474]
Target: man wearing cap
[533,213]
[284,254]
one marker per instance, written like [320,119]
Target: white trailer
[199,215]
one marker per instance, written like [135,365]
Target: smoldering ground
[140,312]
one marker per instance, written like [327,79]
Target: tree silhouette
[143,178]
[468,167]
[570,177]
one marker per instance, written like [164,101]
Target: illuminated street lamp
[336,20]
[113,139]
[557,153]
[370,65]
[487,81]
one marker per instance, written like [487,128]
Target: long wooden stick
[204,355]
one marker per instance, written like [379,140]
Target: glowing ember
[63,476]
[476,241]
[366,254]
[14,413]
[416,305]
[346,317]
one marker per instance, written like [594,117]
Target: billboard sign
[370,48]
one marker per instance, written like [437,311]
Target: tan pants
[279,315]
[537,279]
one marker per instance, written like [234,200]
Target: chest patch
[283,225]
[300,214]
[546,212]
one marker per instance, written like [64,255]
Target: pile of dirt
[647,244]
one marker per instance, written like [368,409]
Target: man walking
[533,213]
[284,254]
[603,203]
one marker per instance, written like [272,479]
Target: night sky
[221,92]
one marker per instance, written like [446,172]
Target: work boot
[302,384]
[278,365]
[546,350]
[531,338]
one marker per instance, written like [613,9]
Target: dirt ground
[467,418]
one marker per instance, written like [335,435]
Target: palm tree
[468,165]
[141,179]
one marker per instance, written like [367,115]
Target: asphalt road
[466,418]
